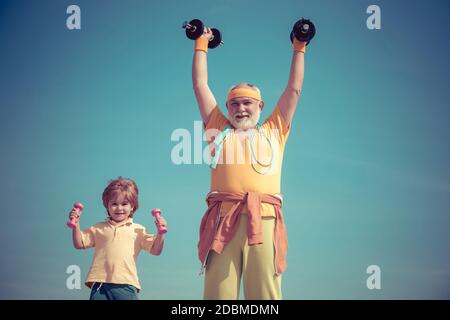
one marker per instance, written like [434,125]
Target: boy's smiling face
[119,208]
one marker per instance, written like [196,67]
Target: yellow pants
[254,263]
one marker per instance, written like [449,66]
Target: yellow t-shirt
[234,172]
[117,247]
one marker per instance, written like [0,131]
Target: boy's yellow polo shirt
[117,247]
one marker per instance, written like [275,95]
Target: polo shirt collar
[111,222]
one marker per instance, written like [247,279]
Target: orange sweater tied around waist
[215,234]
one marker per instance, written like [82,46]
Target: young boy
[117,242]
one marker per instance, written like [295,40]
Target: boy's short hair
[124,186]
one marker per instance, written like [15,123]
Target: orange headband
[243,92]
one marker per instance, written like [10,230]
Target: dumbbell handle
[157,214]
[73,222]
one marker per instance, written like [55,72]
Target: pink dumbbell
[73,222]
[157,214]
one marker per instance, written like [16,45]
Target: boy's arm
[158,245]
[76,237]
[76,232]
[158,241]
[288,100]
[205,98]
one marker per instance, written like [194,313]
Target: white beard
[247,123]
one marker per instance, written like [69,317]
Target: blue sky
[366,175]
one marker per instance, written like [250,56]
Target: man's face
[244,112]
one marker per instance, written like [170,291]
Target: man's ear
[261,105]
[228,108]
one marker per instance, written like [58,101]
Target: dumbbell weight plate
[303,36]
[215,42]
[197,31]
[292,37]
[311,31]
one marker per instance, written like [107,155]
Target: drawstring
[219,141]
[269,165]
[101,283]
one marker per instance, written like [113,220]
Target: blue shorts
[113,291]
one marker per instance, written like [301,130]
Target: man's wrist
[299,46]
[201,44]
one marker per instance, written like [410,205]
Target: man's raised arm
[288,100]
[205,98]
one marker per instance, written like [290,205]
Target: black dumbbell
[194,29]
[304,30]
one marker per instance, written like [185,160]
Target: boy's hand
[161,222]
[74,214]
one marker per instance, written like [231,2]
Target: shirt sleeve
[88,237]
[217,120]
[276,125]
[147,241]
